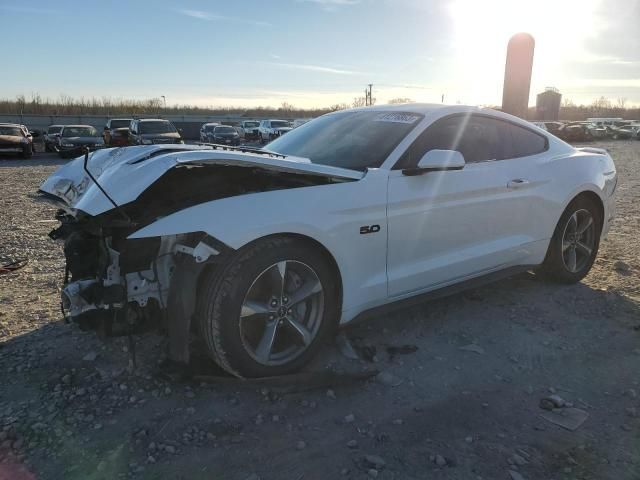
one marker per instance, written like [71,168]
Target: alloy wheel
[281,313]
[578,240]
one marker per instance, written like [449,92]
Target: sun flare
[483,28]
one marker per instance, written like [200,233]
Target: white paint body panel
[436,229]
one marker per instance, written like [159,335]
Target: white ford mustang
[263,252]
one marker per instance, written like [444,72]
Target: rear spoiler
[597,151]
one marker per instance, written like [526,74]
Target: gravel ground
[458,396]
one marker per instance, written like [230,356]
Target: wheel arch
[593,197]
[298,237]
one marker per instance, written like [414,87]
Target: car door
[447,226]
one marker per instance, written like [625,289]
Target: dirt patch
[462,404]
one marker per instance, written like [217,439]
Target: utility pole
[443,98]
[165,101]
[370,97]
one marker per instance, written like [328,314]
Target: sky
[315,53]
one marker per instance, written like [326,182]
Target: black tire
[27,152]
[554,265]
[221,296]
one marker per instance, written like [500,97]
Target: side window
[477,138]
[525,142]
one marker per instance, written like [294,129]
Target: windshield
[209,128]
[225,130]
[279,124]
[355,140]
[11,131]
[251,124]
[79,132]
[54,129]
[120,123]
[157,127]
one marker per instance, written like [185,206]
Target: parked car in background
[16,138]
[148,131]
[575,132]
[51,137]
[300,121]
[598,131]
[116,132]
[552,127]
[74,139]
[206,130]
[270,129]
[625,132]
[540,125]
[225,135]
[604,121]
[250,129]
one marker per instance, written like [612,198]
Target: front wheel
[268,310]
[574,245]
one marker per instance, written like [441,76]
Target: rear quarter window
[525,142]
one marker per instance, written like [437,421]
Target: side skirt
[439,293]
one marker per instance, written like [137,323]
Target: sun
[483,28]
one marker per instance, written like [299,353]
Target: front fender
[332,215]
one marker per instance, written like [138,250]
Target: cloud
[212,17]
[314,68]
[332,5]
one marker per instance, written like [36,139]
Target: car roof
[439,110]
[152,120]
[55,125]
[76,126]
[11,125]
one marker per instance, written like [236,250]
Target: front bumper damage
[118,286]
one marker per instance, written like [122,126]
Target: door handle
[517,183]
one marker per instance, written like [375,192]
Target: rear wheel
[575,242]
[268,310]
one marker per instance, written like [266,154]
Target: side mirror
[437,161]
[105,128]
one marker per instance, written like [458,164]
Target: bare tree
[621,103]
[602,103]
[359,102]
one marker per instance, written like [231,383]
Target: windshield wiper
[259,151]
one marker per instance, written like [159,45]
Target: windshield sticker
[397,118]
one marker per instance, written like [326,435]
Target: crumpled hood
[126,172]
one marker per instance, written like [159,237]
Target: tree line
[67,105]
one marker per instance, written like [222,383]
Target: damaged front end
[118,285]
